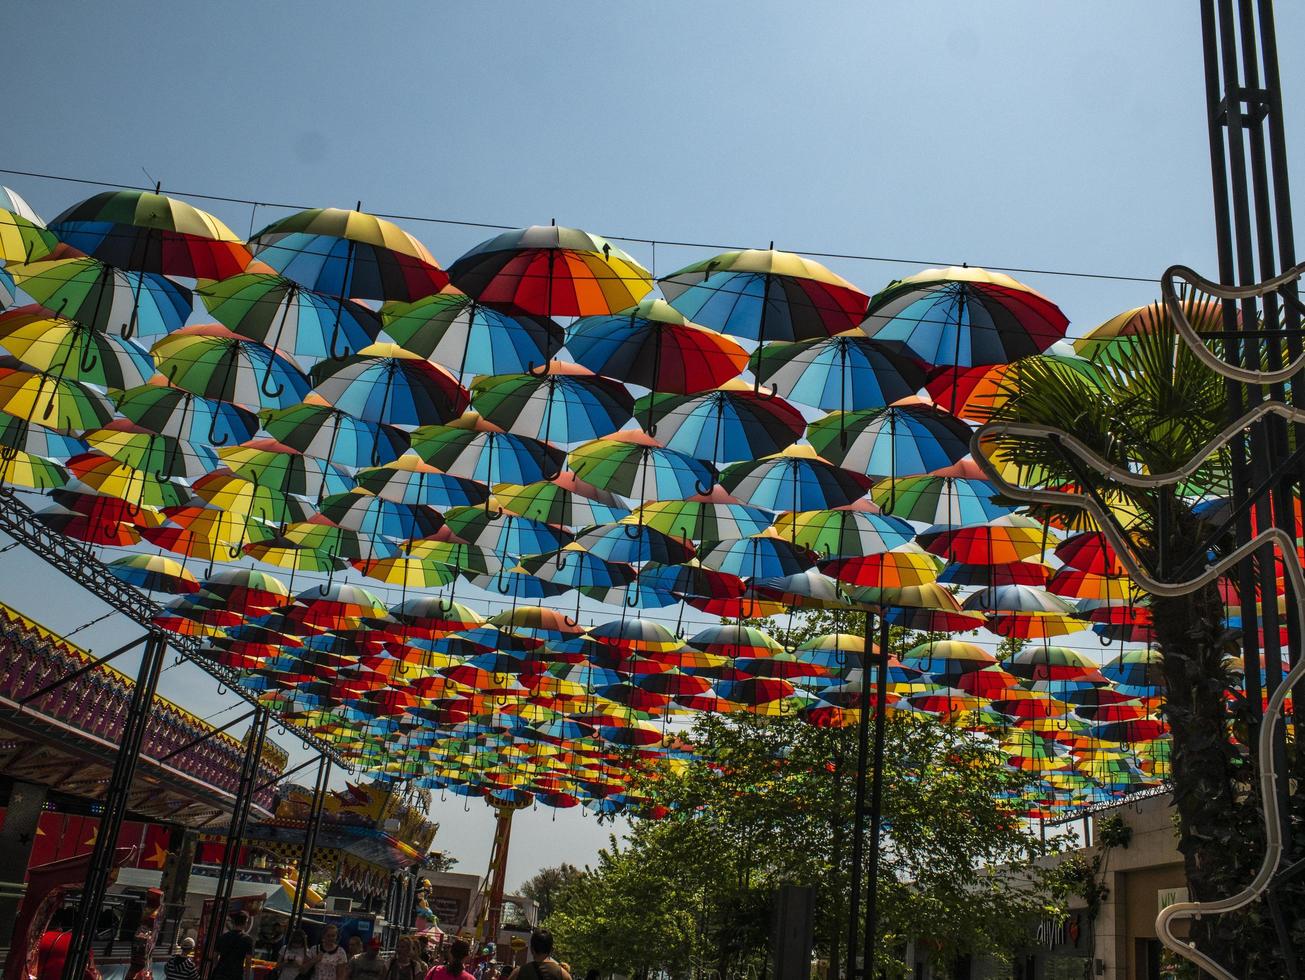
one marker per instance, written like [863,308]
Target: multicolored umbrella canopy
[349,255]
[847,372]
[150,232]
[210,361]
[103,297]
[329,488]
[387,385]
[652,345]
[548,270]
[963,317]
[69,349]
[762,294]
[284,315]
[467,336]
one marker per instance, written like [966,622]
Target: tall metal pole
[315,810]
[116,795]
[235,835]
[858,813]
[877,798]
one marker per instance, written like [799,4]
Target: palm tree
[1151,406]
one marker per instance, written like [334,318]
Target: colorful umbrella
[407,480]
[164,456]
[903,567]
[184,416]
[939,500]
[68,349]
[209,360]
[574,567]
[385,384]
[23,236]
[765,295]
[794,479]
[891,442]
[635,543]
[504,534]
[637,466]
[552,271]
[468,337]
[733,423]
[848,372]
[154,573]
[374,516]
[714,517]
[483,453]
[22,469]
[963,317]
[568,404]
[284,315]
[328,433]
[566,502]
[270,464]
[349,254]
[149,232]
[52,402]
[756,557]
[103,297]
[1012,538]
[844,533]
[654,346]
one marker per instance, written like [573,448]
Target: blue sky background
[1048,135]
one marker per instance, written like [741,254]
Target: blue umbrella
[735,422]
[793,480]
[504,534]
[756,557]
[386,384]
[489,457]
[891,442]
[631,542]
[574,567]
[847,372]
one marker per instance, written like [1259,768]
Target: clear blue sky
[1050,135]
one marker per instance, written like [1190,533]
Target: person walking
[405,965]
[368,965]
[291,963]
[452,968]
[329,960]
[541,965]
[181,965]
[234,948]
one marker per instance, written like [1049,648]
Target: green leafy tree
[1152,407]
[544,887]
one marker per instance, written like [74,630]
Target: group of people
[329,960]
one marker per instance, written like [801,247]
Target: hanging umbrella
[1051,663]
[210,361]
[68,349]
[963,317]
[1012,538]
[246,499]
[106,475]
[568,404]
[637,466]
[23,235]
[23,469]
[714,517]
[733,641]
[279,312]
[906,566]
[385,384]
[206,533]
[654,346]
[181,415]
[566,502]
[407,480]
[459,557]
[848,372]
[574,567]
[248,589]
[468,337]
[844,533]
[810,589]
[52,402]
[270,464]
[891,442]
[163,456]
[975,394]
[475,450]
[552,271]
[756,557]
[407,572]
[20,435]
[1113,339]
[103,297]
[634,543]
[349,255]
[154,573]
[1090,552]
[331,434]
[948,660]
[733,423]
[793,479]
[765,295]
[89,527]
[691,579]
[939,500]
[504,534]
[375,516]
[149,232]
[1007,573]
[1024,611]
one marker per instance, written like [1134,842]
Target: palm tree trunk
[1205,768]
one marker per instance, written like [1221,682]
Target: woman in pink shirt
[452,969]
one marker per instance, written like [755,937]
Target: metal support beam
[235,836]
[115,806]
[876,798]
[85,668]
[281,776]
[858,805]
[315,811]
[81,564]
[201,739]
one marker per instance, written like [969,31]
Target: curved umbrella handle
[213,439]
[335,336]
[88,359]
[561,559]
[637,528]
[267,377]
[501,590]
[635,595]
[702,491]
[1104,639]
[221,691]
[330,578]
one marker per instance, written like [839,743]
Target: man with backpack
[541,965]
